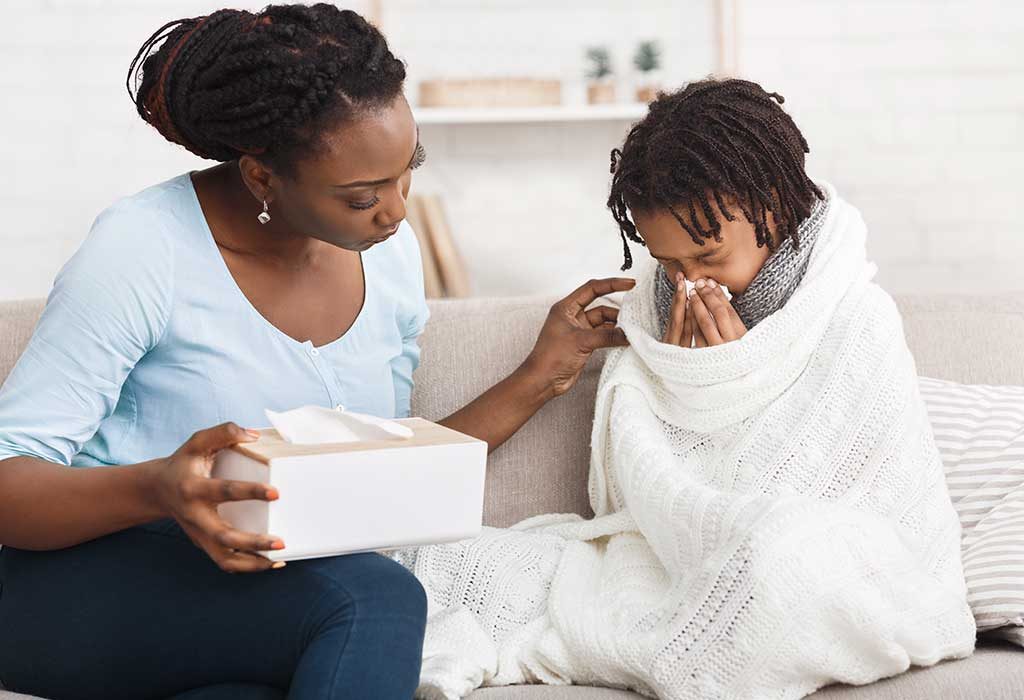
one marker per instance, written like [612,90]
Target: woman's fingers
[586,293]
[212,440]
[245,563]
[230,538]
[705,322]
[204,494]
[232,550]
[191,496]
[221,490]
[604,336]
[599,315]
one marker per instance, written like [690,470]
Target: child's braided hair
[726,137]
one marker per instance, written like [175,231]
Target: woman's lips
[386,236]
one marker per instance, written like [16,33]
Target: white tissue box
[361,496]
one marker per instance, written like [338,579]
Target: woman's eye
[419,157]
[368,204]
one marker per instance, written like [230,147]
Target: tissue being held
[312,425]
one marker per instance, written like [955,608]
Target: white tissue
[690,286]
[311,425]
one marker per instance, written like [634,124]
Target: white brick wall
[913,108]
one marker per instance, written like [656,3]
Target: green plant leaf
[648,56]
[600,62]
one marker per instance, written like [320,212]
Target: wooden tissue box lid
[272,446]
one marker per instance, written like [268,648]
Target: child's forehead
[692,248]
[667,238]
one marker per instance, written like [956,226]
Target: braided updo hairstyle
[267,83]
[729,137]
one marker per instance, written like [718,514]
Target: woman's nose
[392,209]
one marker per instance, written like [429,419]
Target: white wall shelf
[512,115]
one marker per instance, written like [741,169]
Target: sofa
[470,344]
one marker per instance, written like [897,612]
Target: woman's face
[734,261]
[352,194]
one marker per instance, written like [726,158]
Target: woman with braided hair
[283,276]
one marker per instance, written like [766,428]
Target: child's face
[734,262]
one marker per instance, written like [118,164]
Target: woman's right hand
[184,490]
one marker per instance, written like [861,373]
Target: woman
[284,276]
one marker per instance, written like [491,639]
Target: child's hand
[705,318]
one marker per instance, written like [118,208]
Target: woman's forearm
[570,333]
[50,506]
[503,409]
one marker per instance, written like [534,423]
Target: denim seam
[348,632]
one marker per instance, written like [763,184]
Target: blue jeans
[144,613]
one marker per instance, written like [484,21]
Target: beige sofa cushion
[17,319]
[993,673]
[469,345]
[972,340]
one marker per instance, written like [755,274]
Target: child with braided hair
[712,182]
[770,509]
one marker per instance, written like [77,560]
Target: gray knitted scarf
[776,281]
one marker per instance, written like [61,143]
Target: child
[771,514]
[722,163]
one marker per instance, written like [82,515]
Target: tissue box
[360,496]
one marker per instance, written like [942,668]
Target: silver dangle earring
[264,216]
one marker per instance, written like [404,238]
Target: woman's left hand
[572,332]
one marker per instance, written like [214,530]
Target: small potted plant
[647,60]
[601,89]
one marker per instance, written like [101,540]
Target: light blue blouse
[146,338]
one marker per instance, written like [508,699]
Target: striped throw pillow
[979,431]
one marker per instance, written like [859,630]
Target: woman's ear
[258,177]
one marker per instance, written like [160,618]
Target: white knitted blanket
[771,517]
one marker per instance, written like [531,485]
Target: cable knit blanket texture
[770,516]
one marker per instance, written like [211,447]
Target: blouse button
[314,352]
